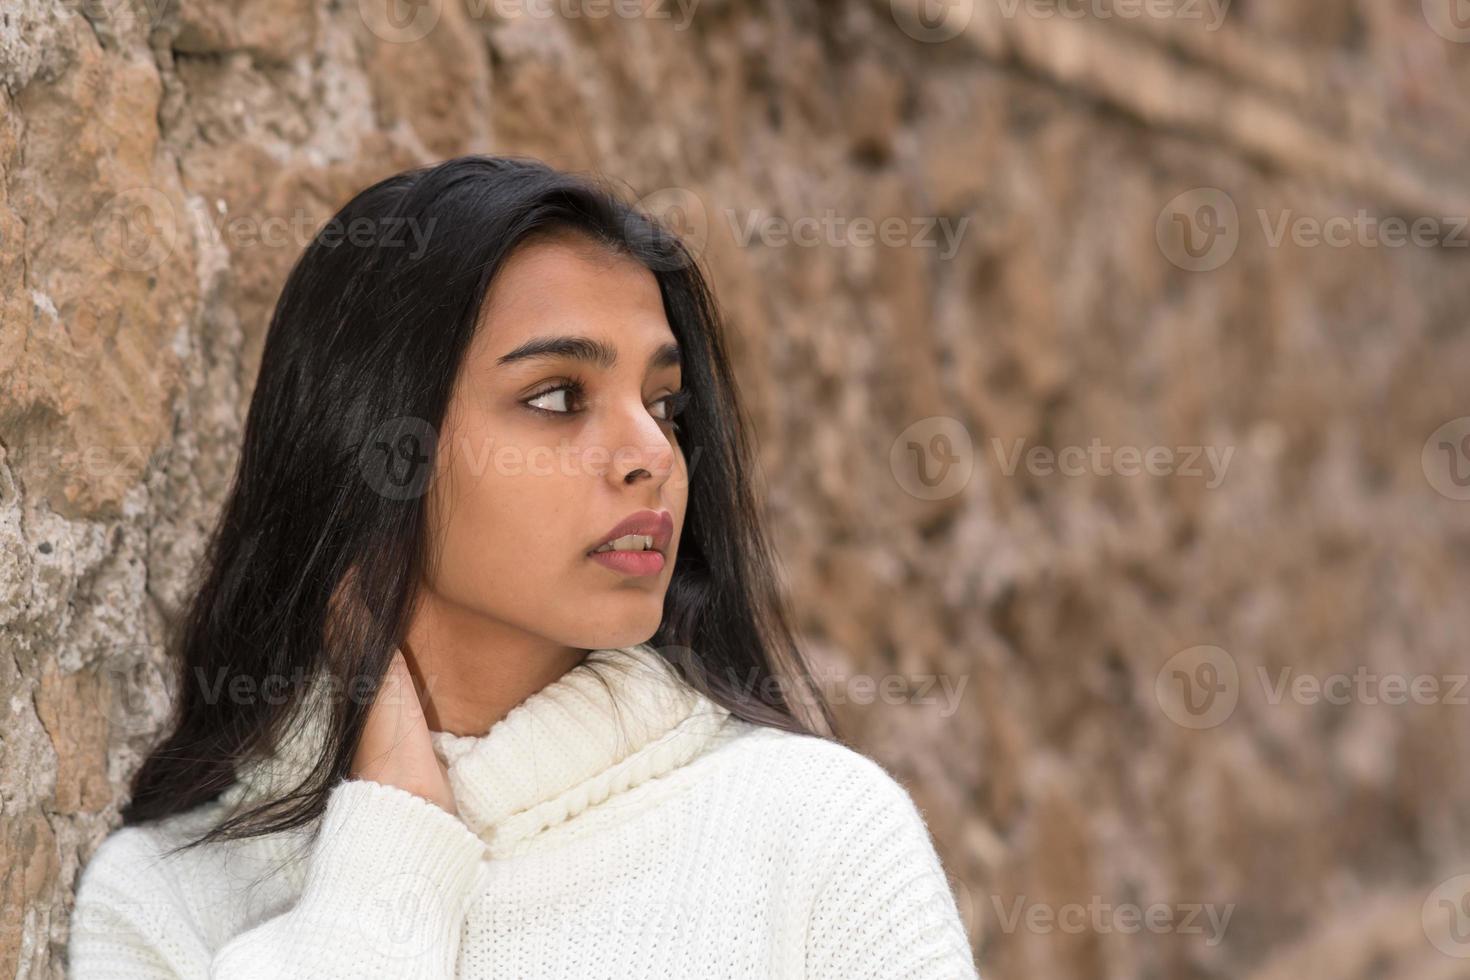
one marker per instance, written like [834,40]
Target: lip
[657,523]
[637,563]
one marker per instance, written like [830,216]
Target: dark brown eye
[559,394]
[674,406]
[550,397]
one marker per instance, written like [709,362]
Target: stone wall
[1191,458]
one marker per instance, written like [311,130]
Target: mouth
[638,545]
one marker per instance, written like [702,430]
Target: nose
[644,451]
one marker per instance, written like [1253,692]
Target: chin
[618,628]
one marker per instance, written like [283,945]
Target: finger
[397,688]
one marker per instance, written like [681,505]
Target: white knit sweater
[662,837]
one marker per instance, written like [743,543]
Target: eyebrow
[587,349]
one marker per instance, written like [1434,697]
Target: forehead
[570,285]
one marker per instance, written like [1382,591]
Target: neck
[472,670]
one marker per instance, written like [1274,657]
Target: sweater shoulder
[818,784]
[127,882]
[149,860]
[126,853]
[825,810]
[814,759]
[138,855]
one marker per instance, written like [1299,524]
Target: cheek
[677,489]
[502,512]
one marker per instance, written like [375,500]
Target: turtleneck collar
[620,717]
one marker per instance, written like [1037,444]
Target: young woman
[489,674]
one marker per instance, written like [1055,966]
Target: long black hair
[362,352]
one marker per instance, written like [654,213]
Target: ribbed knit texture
[634,833]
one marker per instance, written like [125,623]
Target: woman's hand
[395,748]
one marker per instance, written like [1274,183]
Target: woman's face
[544,453]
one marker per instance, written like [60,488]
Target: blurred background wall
[1111,375]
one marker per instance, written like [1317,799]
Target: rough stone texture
[141,144]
